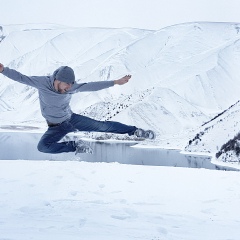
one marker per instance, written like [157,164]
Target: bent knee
[42,147]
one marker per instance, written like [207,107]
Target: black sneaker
[149,134]
[83,147]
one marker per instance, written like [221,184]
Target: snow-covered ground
[79,200]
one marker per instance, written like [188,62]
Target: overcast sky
[146,14]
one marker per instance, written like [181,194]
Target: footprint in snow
[73,193]
[128,213]
[82,222]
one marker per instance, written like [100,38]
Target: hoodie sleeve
[91,86]
[19,77]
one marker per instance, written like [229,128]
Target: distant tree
[231,145]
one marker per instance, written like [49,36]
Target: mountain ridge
[192,69]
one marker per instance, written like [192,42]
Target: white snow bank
[78,200]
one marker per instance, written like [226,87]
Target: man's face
[63,87]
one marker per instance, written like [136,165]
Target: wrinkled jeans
[49,142]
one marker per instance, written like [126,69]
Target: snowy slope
[213,135]
[183,75]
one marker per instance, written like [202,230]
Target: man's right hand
[1,68]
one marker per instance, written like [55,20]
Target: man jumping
[55,93]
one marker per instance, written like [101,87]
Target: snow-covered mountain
[213,136]
[183,75]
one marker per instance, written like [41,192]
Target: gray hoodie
[55,106]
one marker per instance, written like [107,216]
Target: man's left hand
[122,80]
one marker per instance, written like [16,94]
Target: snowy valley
[183,76]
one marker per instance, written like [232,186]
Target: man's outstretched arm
[96,86]
[17,76]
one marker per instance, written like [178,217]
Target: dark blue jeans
[49,143]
